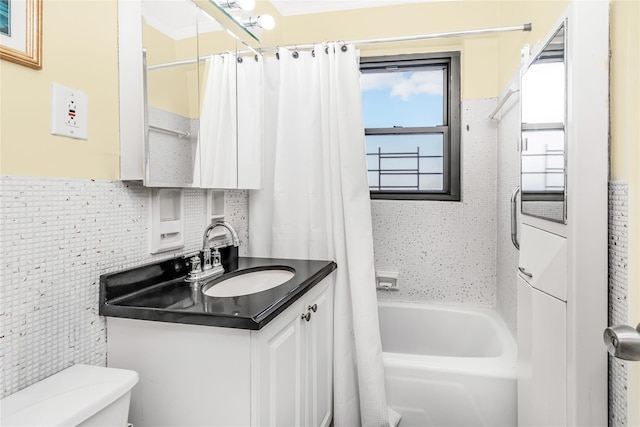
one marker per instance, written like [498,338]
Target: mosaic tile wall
[618,304]
[57,236]
[508,173]
[445,252]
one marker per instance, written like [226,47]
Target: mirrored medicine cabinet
[190,105]
[543,156]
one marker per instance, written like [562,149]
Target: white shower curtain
[315,204]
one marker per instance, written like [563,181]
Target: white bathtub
[448,366]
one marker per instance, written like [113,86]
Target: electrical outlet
[69,112]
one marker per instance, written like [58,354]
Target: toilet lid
[66,398]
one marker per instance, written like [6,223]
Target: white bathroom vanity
[259,359]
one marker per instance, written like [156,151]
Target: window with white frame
[411,109]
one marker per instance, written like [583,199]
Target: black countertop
[159,292]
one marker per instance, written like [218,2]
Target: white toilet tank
[81,395]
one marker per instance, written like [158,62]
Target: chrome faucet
[225,224]
[211,265]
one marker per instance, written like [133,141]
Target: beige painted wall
[542,14]
[625,154]
[479,55]
[488,62]
[80,52]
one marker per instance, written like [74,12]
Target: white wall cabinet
[562,301]
[190,375]
[165,97]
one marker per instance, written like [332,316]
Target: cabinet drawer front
[543,261]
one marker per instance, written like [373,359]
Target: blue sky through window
[409,99]
[405,99]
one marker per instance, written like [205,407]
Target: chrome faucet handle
[206,254]
[217,258]
[195,265]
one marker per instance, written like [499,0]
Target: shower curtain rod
[481,31]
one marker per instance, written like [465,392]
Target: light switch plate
[69,112]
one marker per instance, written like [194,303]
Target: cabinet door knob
[313,307]
[306,316]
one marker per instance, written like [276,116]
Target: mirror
[229,145]
[202,101]
[543,155]
[170,46]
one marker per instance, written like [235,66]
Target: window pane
[405,162]
[430,144]
[405,98]
[401,163]
[398,182]
[431,164]
[431,182]
[373,179]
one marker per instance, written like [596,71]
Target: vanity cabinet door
[277,362]
[319,371]
[292,364]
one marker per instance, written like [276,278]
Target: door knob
[623,342]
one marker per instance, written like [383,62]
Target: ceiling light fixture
[263,21]
[237,4]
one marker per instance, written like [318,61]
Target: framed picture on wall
[21,32]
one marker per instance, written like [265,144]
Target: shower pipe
[481,31]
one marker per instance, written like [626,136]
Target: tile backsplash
[57,236]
